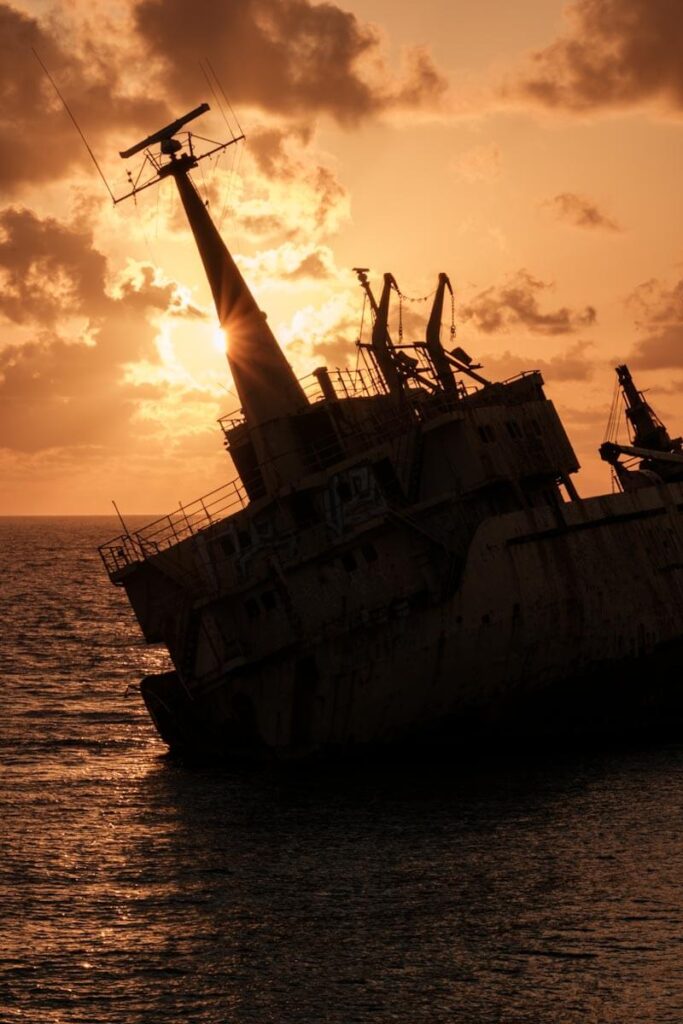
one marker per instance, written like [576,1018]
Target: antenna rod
[121,519]
[75,123]
[216,97]
[225,97]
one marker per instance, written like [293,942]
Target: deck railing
[163,533]
[361,383]
[188,520]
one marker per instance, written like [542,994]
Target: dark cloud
[660,350]
[574,364]
[580,212]
[39,142]
[266,225]
[654,303]
[616,54]
[338,350]
[291,58]
[48,270]
[330,193]
[271,149]
[285,56]
[517,303]
[315,265]
[658,311]
[674,387]
[53,390]
[279,154]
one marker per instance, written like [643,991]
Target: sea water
[133,888]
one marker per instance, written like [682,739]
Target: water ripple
[135,890]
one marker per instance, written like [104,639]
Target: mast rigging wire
[216,96]
[233,171]
[75,124]
[225,97]
[233,175]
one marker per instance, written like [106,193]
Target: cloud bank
[286,56]
[616,54]
[67,385]
[517,303]
[40,144]
[658,309]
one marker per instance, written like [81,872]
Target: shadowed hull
[550,632]
[608,702]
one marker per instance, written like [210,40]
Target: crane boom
[381,341]
[435,349]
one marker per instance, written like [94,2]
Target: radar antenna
[165,135]
[171,147]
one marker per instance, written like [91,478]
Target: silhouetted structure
[661,459]
[396,558]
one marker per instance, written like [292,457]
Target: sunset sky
[533,151]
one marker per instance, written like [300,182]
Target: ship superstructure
[403,551]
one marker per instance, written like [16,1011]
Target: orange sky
[530,150]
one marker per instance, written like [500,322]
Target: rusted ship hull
[549,630]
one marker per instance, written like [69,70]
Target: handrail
[359,383]
[189,520]
[171,529]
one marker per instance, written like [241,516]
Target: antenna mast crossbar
[164,170]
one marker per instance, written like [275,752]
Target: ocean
[531,888]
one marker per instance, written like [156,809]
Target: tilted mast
[265,382]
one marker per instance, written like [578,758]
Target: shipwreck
[403,555]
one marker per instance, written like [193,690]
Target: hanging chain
[407,298]
[419,298]
[452,317]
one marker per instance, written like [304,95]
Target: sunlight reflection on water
[134,889]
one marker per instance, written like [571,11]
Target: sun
[219,340]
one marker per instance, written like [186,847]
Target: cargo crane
[661,458]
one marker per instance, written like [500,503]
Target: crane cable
[612,427]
